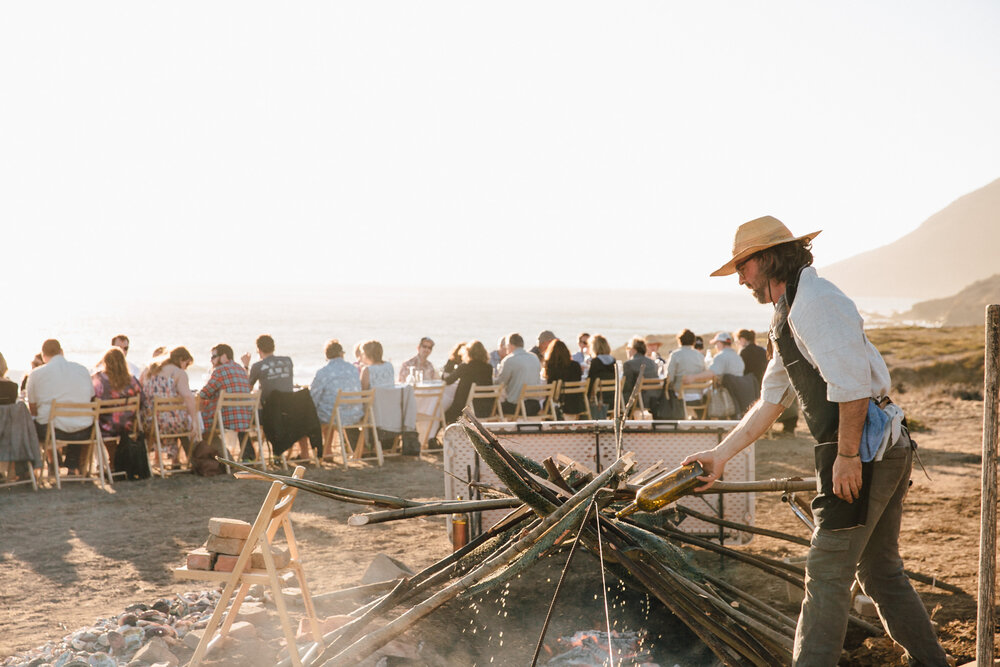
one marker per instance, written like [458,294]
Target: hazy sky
[525,143]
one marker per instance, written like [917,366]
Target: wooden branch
[785,485]
[555,476]
[986,612]
[743,527]
[432,509]
[335,492]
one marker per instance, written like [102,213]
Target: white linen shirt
[63,381]
[518,369]
[829,332]
[727,362]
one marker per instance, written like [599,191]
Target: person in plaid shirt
[229,376]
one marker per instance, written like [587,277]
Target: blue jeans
[870,552]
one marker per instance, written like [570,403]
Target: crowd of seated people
[469,363]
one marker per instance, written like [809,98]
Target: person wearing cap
[726,361]
[822,356]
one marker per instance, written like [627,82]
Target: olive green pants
[871,553]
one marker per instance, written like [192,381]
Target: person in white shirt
[822,356]
[59,380]
[726,361]
[685,361]
[517,369]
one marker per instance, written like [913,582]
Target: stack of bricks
[226,540]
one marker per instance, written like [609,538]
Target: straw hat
[755,236]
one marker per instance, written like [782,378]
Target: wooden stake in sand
[986,616]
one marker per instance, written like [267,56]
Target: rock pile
[141,635]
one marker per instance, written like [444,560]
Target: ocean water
[301,321]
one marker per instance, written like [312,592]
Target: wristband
[849,456]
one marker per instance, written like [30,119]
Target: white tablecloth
[395,408]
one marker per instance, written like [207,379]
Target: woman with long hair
[474,369]
[602,367]
[455,359]
[559,365]
[168,378]
[375,372]
[114,380]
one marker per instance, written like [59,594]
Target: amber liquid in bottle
[664,489]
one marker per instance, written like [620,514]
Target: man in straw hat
[863,452]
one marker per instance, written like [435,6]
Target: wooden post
[986,615]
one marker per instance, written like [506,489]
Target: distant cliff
[963,309]
[952,249]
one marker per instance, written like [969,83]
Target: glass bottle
[664,489]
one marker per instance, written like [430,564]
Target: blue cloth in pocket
[874,432]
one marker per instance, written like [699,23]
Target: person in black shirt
[474,369]
[753,355]
[559,365]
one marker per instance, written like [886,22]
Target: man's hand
[245,359]
[847,469]
[847,478]
[713,463]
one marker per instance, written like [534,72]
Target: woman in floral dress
[114,380]
[167,378]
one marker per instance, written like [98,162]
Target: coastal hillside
[965,308]
[953,248]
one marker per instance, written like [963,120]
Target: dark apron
[823,419]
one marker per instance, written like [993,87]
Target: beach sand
[70,557]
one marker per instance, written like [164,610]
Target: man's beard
[760,294]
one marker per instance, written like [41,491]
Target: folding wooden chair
[578,388]
[365,425]
[647,385]
[173,404]
[109,406]
[493,392]
[695,409]
[544,394]
[604,392]
[92,447]
[312,458]
[430,411]
[239,401]
[273,515]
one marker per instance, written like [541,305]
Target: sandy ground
[72,556]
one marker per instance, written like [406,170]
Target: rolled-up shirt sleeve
[776,387]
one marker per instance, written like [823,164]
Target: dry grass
[926,357]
